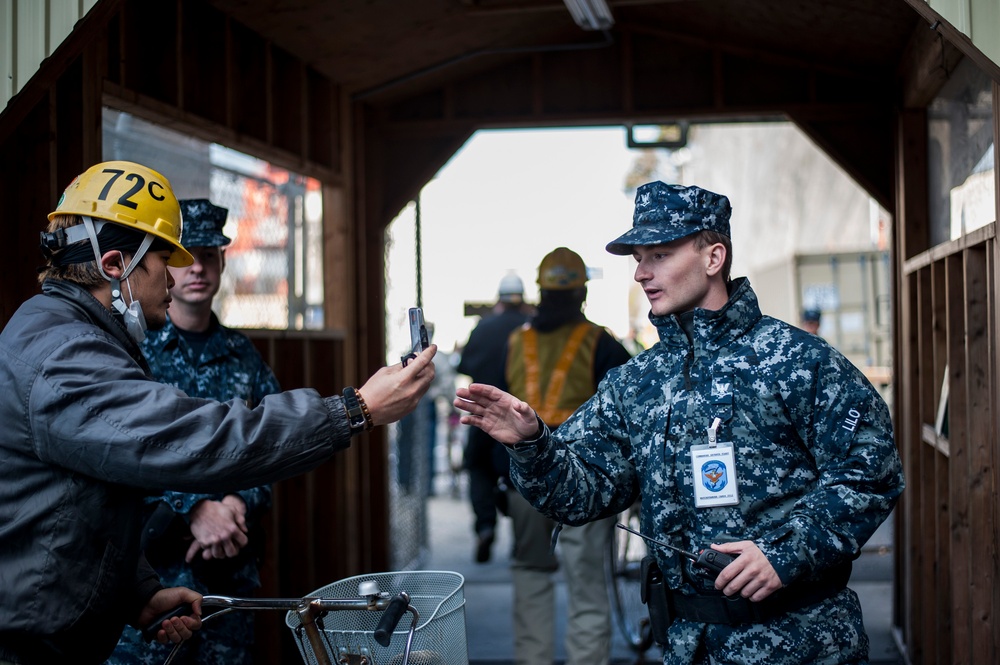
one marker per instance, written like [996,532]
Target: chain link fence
[410,479]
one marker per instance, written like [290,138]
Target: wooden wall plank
[991,423]
[931,463]
[907,421]
[953,560]
[203,91]
[304,550]
[993,321]
[980,499]
[910,153]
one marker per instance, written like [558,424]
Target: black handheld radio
[709,559]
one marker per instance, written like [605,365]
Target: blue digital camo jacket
[816,465]
[229,367]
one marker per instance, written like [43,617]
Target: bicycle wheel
[623,569]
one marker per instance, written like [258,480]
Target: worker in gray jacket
[742,435]
[87,433]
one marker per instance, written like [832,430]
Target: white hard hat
[511,288]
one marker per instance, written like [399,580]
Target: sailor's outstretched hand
[499,414]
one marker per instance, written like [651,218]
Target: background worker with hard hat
[555,363]
[485,460]
[209,542]
[87,433]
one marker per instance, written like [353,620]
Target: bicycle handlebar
[293,604]
[393,610]
[149,632]
[390,618]
[308,608]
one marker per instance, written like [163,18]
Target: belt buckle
[740,610]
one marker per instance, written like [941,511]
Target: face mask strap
[128,284]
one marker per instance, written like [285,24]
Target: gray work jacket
[85,434]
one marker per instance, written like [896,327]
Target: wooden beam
[956,37]
[863,148]
[946,249]
[925,64]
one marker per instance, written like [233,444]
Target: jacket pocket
[100,624]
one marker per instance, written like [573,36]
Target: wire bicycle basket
[439,638]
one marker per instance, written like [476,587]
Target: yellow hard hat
[562,269]
[131,195]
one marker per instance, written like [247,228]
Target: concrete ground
[488,591]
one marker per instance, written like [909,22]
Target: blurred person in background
[482,359]
[556,362]
[810,320]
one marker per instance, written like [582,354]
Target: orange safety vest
[553,371]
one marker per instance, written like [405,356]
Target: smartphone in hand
[418,334]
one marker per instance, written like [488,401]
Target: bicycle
[353,634]
[623,577]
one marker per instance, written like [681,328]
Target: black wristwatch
[355,416]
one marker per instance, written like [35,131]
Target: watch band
[355,415]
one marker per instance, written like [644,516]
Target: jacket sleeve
[846,426]
[147,583]
[583,470]
[120,426]
[257,500]
[265,383]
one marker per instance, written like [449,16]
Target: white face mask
[135,321]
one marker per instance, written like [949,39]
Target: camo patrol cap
[664,213]
[203,222]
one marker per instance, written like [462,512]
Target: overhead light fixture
[670,135]
[590,14]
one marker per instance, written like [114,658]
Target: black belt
[717,608]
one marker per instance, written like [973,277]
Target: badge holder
[714,468]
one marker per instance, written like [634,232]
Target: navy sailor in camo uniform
[739,432]
[211,543]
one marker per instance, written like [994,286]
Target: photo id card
[714,469]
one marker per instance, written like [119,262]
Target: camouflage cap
[203,222]
[664,213]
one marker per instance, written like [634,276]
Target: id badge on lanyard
[714,468]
